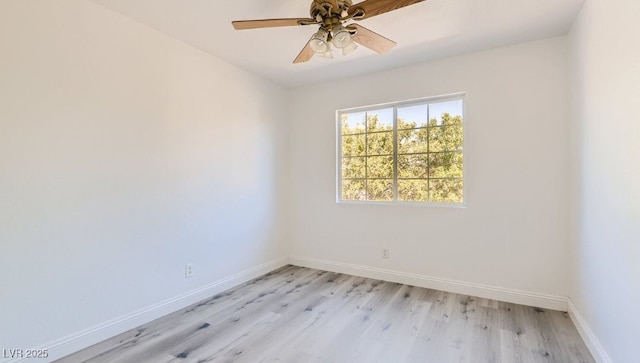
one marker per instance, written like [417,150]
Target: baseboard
[78,341]
[460,287]
[590,339]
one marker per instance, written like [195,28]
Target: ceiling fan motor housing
[326,13]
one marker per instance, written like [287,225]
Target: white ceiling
[424,31]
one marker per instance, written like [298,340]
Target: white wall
[124,154]
[606,154]
[513,232]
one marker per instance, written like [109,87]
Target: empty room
[319,181]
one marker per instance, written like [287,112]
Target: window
[404,152]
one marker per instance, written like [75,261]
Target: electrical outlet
[385,253]
[188,270]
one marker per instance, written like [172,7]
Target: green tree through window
[403,153]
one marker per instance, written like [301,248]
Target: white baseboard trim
[459,287]
[590,339]
[86,338]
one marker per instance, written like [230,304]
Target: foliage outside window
[407,152]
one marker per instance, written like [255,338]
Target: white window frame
[395,105]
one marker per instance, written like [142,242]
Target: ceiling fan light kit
[333,18]
[327,54]
[319,42]
[350,48]
[340,36]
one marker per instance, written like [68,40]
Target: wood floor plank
[302,332]
[394,330]
[238,339]
[235,318]
[335,339]
[301,315]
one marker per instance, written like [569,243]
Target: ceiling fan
[333,17]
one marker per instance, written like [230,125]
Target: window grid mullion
[366,156]
[395,154]
[428,155]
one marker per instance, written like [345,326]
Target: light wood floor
[303,315]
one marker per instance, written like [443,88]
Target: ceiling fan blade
[371,39]
[305,54]
[377,7]
[271,23]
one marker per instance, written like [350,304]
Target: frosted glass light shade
[349,48]
[341,37]
[327,54]
[319,42]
